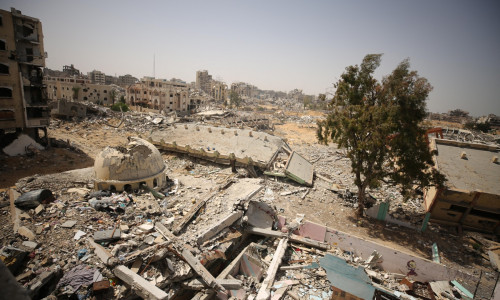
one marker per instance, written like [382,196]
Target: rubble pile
[212,232]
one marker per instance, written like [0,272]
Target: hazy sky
[282,45]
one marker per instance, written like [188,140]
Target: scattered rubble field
[260,236]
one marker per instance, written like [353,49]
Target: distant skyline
[281,45]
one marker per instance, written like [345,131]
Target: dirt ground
[321,205]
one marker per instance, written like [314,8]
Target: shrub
[117,106]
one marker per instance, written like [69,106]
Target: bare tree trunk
[361,200]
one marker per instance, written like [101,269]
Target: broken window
[1,20]
[5,92]
[29,54]
[458,208]
[105,91]
[485,214]
[4,69]
[3,46]
[27,30]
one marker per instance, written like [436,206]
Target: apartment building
[79,89]
[23,96]
[160,94]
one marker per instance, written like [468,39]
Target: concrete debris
[23,145]
[229,220]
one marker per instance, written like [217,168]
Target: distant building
[23,95]
[127,80]
[203,81]
[97,77]
[243,89]
[219,91]
[110,80]
[70,71]
[160,94]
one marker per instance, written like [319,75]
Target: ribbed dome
[139,159]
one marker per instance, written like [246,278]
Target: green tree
[378,124]
[76,91]
[235,99]
[112,96]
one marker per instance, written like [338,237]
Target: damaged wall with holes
[471,197]
[23,96]
[80,89]
[127,168]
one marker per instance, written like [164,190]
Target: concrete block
[141,286]
[39,209]
[26,233]
[30,244]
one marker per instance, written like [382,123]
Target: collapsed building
[471,197]
[23,94]
[127,168]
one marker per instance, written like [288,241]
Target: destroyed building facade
[160,94]
[203,81]
[79,89]
[471,197]
[23,95]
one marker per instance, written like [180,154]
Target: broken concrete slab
[299,169]
[24,231]
[230,284]
[30,244]
[219,226]
[68,224]
[103,254]
[219,144]
[200,270]
[260,214]
[293,237]
[107,235]
[141,286]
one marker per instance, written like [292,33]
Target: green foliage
[112,96]
[483,127]
[117,106]
[235,99]
[378,124]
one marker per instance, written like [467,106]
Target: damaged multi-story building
[80,89]
[161,94]
[203,81]
[23,96]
